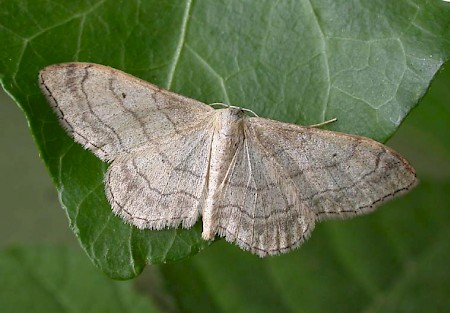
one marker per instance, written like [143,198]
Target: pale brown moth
[259,183]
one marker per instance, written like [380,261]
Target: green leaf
[366,63]
[44,279]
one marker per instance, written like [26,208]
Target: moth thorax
[229,121]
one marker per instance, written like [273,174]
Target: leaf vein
[181,43]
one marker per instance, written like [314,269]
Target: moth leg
[323,123]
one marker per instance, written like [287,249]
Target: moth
[259,183]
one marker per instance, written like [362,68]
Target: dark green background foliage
[367,63]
